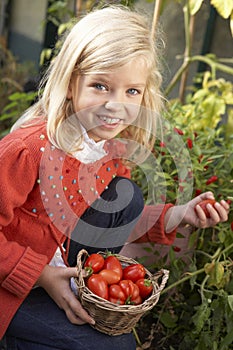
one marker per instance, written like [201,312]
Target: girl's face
[107,103]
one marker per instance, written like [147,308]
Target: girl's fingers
[218,213]
[222,210]
[225,205]
[75,312]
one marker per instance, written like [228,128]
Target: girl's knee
[136,204]
[130,193]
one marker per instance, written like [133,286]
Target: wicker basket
[111,318]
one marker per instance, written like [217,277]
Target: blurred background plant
[195,310]
[14,98]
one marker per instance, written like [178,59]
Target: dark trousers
[109,221]
[39,324]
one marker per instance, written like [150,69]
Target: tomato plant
[145,287]
[98,285]
[134,272]
[94,263]
[112,263]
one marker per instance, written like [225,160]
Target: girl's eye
[133,92]
[100,87]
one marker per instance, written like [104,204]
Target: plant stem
[226,249]
[212,63]
[157,7]
[189,29]
[137,337]
[217,254]
[182,280]
[78,7]
[203,287]
[203,253]
[177,76]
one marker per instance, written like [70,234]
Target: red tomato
[112,263]
[98,285]
[131,291]
[94,263]
[110,276]
[116,301]
[203,205]
[134,272]
[136,301]
[116,294]
[145,287]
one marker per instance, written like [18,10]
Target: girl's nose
[113,105]
[114,101]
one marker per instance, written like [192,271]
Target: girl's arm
[158,223]
[20,266]
[192,214]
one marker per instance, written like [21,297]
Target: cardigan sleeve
[150,226]
[20,266]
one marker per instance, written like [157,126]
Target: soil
[151,337]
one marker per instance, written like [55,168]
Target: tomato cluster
[120,285]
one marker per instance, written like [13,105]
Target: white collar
[91,151]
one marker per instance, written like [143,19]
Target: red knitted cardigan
[43,193]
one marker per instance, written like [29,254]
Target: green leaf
[221,236]
[168,320]
[193,239]
[226,341]
[180,235]
[230,301]
[224,7]
[214,106]
[194,6]
[16,96]
[199,319]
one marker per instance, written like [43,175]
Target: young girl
[65,182]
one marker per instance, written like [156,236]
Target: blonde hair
[103,39]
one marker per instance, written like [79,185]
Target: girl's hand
[192,214]
[56,282]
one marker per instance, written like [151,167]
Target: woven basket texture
[111,318]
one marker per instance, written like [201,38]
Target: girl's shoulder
[31,140]
[31,132]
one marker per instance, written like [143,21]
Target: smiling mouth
[109,120]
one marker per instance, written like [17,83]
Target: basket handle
[164,274]
[82,255]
